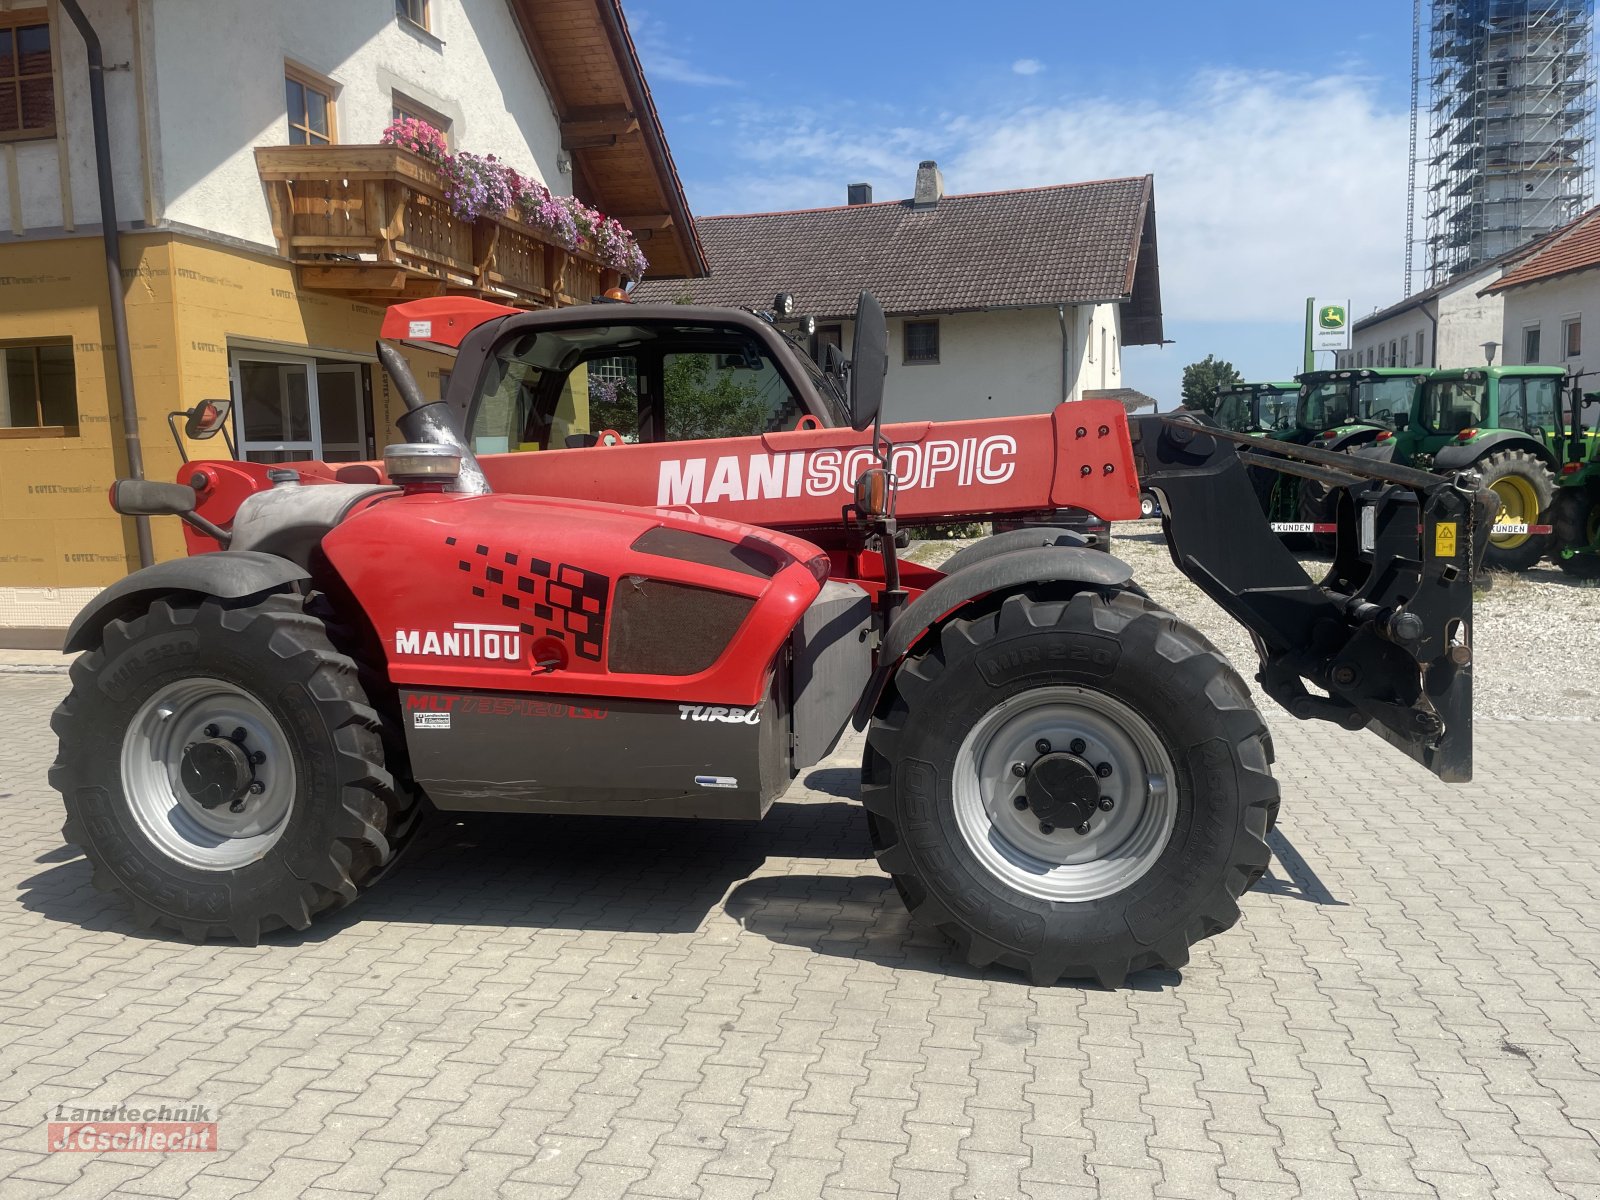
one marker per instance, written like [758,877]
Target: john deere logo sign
[1331,330]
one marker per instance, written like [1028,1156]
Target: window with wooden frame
[922,342]
[415,11]
[38,390]
[27,77]
[309,101]
[402,105]
[1572,336]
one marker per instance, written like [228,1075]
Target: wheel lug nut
[1083,828]
[1018,769]
[256,788]
[1103,770]
[238,734]
[1078,746]
[236,807]
[1042,746]
[258,757]
[1046,828]
[1020,803]
[212,731]
[1107,803]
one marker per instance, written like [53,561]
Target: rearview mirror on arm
[869,362]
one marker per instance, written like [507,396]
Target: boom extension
[1386,634]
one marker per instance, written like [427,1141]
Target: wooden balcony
[371,223]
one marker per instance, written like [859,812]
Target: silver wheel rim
[1121,845]
[211,839]
[1147,507]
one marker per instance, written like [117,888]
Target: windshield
[1234,412]
[1451,405]
[1336,402]
[1275,410]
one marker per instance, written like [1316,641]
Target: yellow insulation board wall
[188,303]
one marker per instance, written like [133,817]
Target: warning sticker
[420,329]
[1444,539]
[430,720]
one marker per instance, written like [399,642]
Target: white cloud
[1269,187]
[663,62]
[1027,66]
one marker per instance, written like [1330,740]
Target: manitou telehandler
[1059,773]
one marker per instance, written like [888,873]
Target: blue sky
[1276,133]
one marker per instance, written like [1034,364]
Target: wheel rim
[1519,505]
[165,733]
[1064,865]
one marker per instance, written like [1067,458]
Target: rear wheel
[1072,786]
[223,768]
[1576,519]
[1525,489]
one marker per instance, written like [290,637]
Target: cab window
[1384,399]
[1277,410]
[1451,405]
[560,389]
[724,395]
[1529,403]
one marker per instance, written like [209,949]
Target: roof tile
[1067,244]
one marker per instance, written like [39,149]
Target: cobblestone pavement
[545,1008]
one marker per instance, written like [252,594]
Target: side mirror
[147,498]
[206,419]
[869,362]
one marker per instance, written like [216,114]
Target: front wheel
[1525,489]
[1072,786]
[1576,520]
[223,768]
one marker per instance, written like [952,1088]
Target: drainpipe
[113,246]
[1066,354]
[1433,350]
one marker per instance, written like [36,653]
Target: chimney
[860,193]
[930,185]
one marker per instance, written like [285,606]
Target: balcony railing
[371,222]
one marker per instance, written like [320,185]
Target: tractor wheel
[1071,786]
[224,769]
[1525,488]
[1147,505]
[1576,519]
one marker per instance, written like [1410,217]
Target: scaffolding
[1511,126]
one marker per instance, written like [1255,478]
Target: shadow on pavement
[862,917]
[548,872]
[1299,881]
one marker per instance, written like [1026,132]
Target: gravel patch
[1536,635]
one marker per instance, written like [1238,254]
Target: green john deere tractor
[1502,421]
[1259,408]
[1340,410]
[1575,515]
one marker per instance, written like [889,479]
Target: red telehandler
[1059,774]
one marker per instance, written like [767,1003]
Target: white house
[999,303]
[1549,296]
[1442,326]
[262,228]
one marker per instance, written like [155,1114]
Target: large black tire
[1575,518]
[1523,473]
[344,817]
[1109,646]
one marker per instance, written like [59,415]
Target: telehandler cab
[1059,773]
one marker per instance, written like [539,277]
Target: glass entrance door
[289,408]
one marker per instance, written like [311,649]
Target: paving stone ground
[546,1008]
